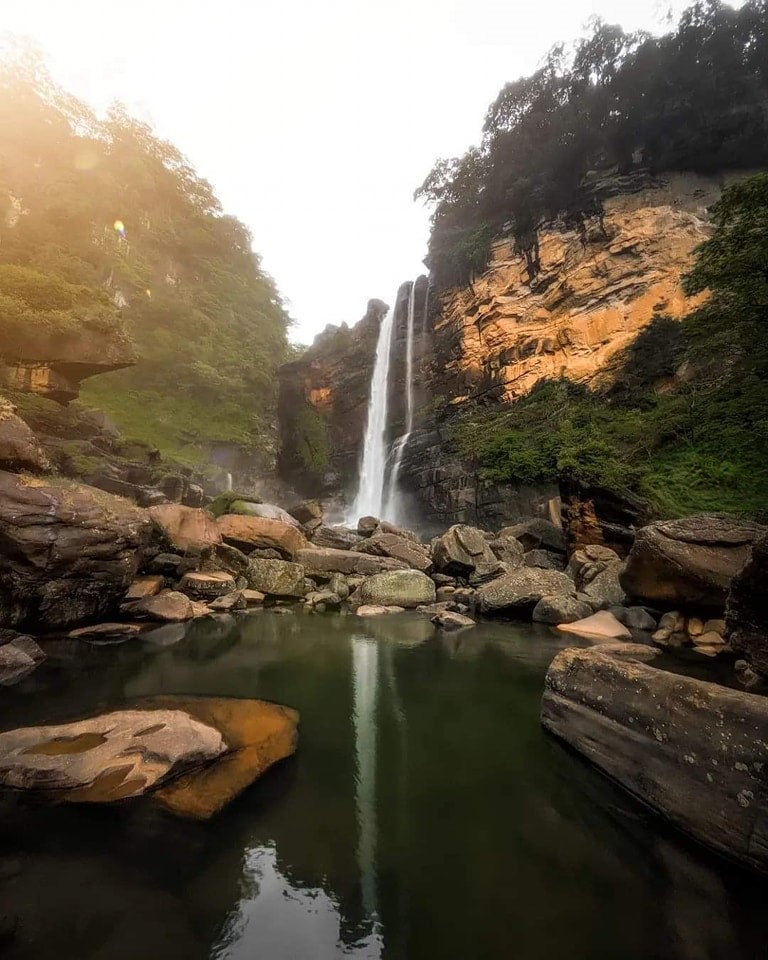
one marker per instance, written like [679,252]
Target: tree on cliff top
[108,214]
[695,99]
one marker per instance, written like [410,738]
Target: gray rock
[463,551]
[606,587]
[383,544]
[544,559]
[307,512]
[277,578]
[535,533]
[560,609]
[518,592]
[401,588]
[367,526]
[450,621]
[338,585]
[636,618]
[323,563]
[335,538]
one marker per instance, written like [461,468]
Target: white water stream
[392,506]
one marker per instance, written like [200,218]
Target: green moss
[312,443]
[225,502]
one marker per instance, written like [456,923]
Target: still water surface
[426,816]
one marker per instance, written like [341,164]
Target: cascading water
[391,507]
[370,491]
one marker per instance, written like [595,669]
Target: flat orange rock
[258,734]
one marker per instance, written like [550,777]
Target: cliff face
[493,340]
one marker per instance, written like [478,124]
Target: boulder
[307,512]
[168,606]
[267,511]
[746,615]
[110,757]
[560,609]
[606,588]
[689,562]
[223,556]
[253,598]
[376,610]
[636,618]
[185,528]
[19,449]
[518,592]
[386,527]
[691,750]
[106,632]
[602,624]
[335,538]
[276,578]
[339,586]
[537,533]
[380,544]
[400,588]
[69,552]
[171,564]
[544,559]
[207,586]
[509,551]
[463,551]
[367,526]
[19,655]
[229,602]
[145,587]
[248,533]
[323,563]
[451,621]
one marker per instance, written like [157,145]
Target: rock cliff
[495,339]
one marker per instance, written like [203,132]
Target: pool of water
[425,816]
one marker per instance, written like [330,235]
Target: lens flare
[119,228]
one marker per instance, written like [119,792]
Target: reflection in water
[365,668]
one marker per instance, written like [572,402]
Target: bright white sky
[314,120]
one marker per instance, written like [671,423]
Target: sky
[314,120]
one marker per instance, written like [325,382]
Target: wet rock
[194,495]
[400,588]
[69,551]
[117,755]
[451,621]
[463,551]
[322,600]
[323,563]
[376,610]
[253,598]
[689,562]
[145,587]
[207,586]
[537,534]
[229,602]
[600,624]
[277,578]
[560,609]
[544,559]
[168,606]
[415,555]
[247,533]
[636,618]
[104,632]
[518,592]
[185,528]
[692,750]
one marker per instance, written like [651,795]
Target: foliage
[106,226]
[701,446]
[313,444]
[695,99]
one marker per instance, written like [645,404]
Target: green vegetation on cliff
[107,226]
[686,423]
[695,99]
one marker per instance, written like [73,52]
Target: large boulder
[19,449]
[185,528]
[692,750]
[746,613]
[335,538]
[463,551]
[535,534]
[267,511]
[308,512]
[381,544]
[689,562]
[324,563]
[276,578]
[399,588]
[518,592]
[560,609]
[509,551]
[67,552]
[250,532]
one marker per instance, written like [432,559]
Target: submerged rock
[400,588]
[694,751]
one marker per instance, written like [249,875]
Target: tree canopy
[695,99]
[103,222]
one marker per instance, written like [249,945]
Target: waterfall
[391,510]
[370,492]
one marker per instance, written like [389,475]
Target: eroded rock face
[747,608]
[67,552]
[399,588]
[694,751]
[689,562]
[116,755]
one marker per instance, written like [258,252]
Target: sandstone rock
[323,563]
[463,551]
[688,562]
[117,755]
[223,556]
[451,621]
[537,533]
[367,526]
[19,448]
[376,610]
[600,624]
[252,597]
[185,528]
[509,551]
[746,616]
[145,587]
[401,588]
[69,551]
[335,538]
[307,511]
[560,609]
[207,586]
[714,626]
[249,532]
[168,605]
[277,578]
[445,593]
[691,750]
[694,626]
[229,602]
[585,564]
[519,592]
[104,632]
[386,527]
[443,580]
[380,544]
[544,560]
